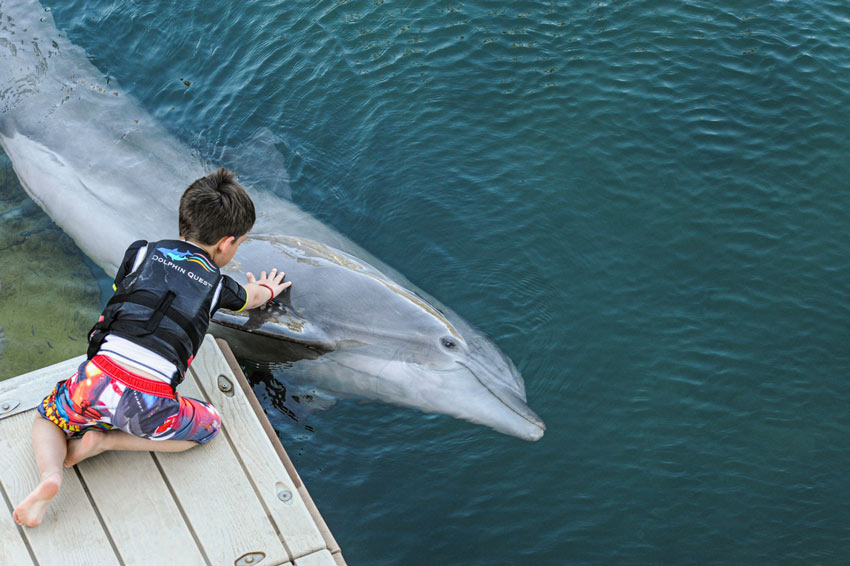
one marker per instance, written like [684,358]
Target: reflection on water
[35,333]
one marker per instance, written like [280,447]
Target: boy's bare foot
[31,510]
[91,444]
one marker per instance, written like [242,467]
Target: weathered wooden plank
[71,532]
[281,497]
[227,491]
[220,505]
[320,558]
[271,435]
[26,391]
[330,541]
[143,519]
[12,547]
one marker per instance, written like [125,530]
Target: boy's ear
[224,244]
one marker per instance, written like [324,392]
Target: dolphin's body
[108,174]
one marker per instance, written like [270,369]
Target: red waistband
[137,382]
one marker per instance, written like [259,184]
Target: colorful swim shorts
[102,395]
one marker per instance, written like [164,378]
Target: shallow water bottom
[35,333]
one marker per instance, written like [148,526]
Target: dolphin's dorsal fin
[257,163]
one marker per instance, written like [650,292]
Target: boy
[123,397]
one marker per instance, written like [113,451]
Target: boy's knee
[213,426]
[216,418]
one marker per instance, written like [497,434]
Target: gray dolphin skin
[108,174]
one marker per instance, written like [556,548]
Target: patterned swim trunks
[102,395]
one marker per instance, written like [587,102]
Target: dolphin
[108,173]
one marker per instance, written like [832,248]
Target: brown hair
[214,207]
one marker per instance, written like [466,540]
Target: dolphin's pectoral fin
[278,311]
[256,317]
[282,313]
[276,321]
[284,301]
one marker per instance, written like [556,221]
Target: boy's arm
[129,262]
[263,290]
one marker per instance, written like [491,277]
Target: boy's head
[215,207]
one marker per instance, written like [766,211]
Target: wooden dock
[234,501]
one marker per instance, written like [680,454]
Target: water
[642,203]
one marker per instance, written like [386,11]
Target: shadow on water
[288,404]
[293,403]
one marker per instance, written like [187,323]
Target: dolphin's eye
[448,344]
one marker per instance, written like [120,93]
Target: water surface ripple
[643,203]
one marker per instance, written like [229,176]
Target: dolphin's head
[362,334]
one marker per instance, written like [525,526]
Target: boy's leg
[95,442]
[49,445]
[141,418]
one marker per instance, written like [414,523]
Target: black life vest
[164,304]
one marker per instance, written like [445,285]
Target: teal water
[642,203]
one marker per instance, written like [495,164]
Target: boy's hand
[264,289]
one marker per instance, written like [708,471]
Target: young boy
[123,397]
